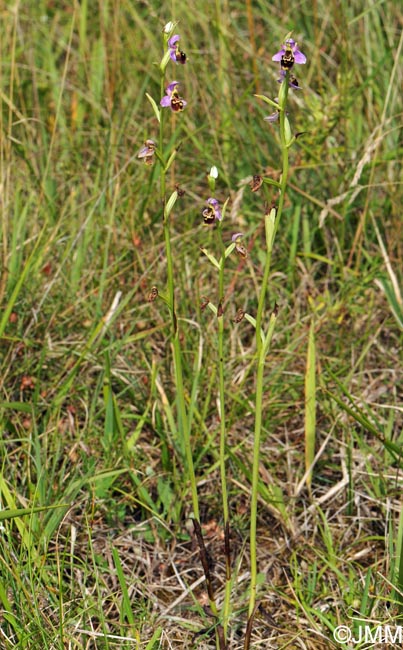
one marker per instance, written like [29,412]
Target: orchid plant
[287,57]
[170,98]
[213,215]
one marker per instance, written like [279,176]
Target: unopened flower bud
[169,27]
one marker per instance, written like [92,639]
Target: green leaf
[287,132]
[155,107]
[269,222]
[151,645]
[268,101]
[229,250]
[392,298]
[126,612]
[165,60]
[210,257]
[12,513]
[170,204]
[171,159]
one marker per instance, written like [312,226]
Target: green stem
[183,422]
[183,415]
[223,438]
[269,245]
[262,348]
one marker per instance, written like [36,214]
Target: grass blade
[310,405]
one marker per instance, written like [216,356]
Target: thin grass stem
[262,347]
[223,439]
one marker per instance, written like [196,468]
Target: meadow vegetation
[97,546]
